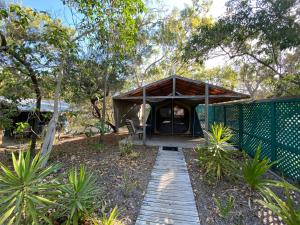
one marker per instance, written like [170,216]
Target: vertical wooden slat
[144,116]
[174,87]
[206,112]
[172,109]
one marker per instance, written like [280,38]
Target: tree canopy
[256,31]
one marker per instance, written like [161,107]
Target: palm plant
[78,195]
[225,209]
[112,219]
[253,171]
[24,195]
[286,210]
[216,158]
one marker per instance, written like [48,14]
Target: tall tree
[113,34]
[256,31]
[161,42]
[29,41]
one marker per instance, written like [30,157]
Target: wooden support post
[144,116]
[174,86]
[172,110]
[206,112]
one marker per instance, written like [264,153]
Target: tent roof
[28,105]
[176,87]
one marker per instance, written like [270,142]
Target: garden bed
[122,180]
[245,211]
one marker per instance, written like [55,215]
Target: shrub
[216,158]
[225,209]
[126,148]
[97,146]
[128,184]
[24,193]
[254,169]
[286,210]
[78,195]
[112,219]
[102,127]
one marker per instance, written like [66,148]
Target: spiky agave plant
[79,194]
[112,219]
[285,209]
[254,169]
[24,194]
[216,158]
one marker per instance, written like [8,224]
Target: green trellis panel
[275,124]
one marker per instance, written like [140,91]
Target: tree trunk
[36,87]
[97,114]
[37,113]
[104,98]
[50,135]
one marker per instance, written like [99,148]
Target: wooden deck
[177,141]
[169,198]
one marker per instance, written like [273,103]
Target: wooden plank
[206,111]
[169,191]
[144,116]
[169,198]
[171,195]
[170,202]
[166,210]
[172,187]
[174,86]
[167,204]
[167,220]
[142,222]
[194,97]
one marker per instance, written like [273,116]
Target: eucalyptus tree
[161,40]
[112,27]
[31,43]
[255,31]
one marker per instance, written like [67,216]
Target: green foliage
[112,219]
[98,146]
[7,112]
[25,196]
[79,194]
[102,127]
[216,158]
[22,126]
[254,169]
[255,31]
[286,210]
[225,209]
[121,26]
[128,184]
[230,30]
[126,147]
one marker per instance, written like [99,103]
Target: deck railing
[273,123]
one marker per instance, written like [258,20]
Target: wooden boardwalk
[169,198]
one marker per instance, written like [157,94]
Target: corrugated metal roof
[28,105]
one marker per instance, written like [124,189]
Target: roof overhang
[176,87]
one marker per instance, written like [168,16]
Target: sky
[57,10]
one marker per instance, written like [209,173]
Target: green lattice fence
[273,123]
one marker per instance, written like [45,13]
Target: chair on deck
[133,130]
